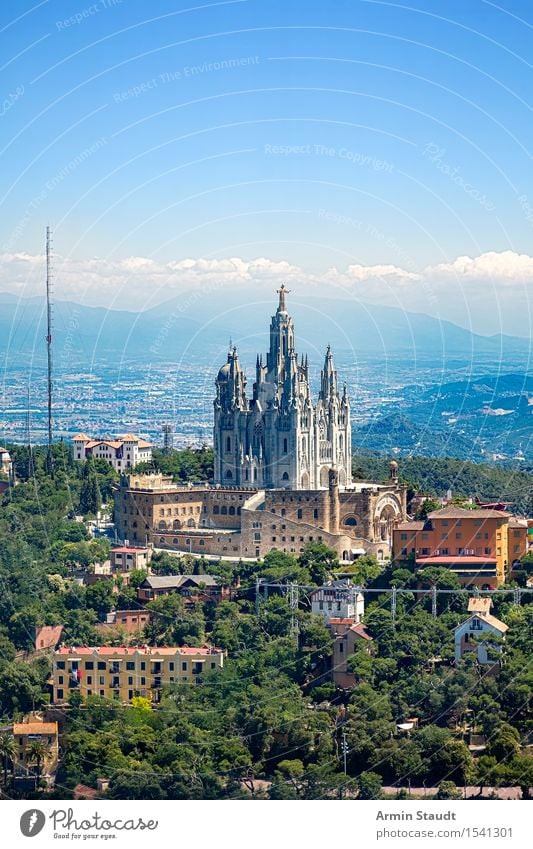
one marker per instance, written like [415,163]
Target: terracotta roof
[142,443]
[410,526]
[346,620]
[515,522]
[81,436]
[22,728]
[49,635]
[121,651]
[479,605]
[464,513]
[111,443]
[82,791]
[361,631]
[129,437]
[127,549]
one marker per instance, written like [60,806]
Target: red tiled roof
[119,651]
[126,549]
[465,513]
[361,631]
[409,526]
[22,728]
[49,635]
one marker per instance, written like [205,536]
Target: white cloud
[486,291]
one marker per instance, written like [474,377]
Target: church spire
[282,292]
[328,377]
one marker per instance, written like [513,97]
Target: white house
[476,632]
[5,461]
[123,453]
[339,600]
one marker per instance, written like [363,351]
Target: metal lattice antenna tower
[434,601]
[49,459]
[168,438]
[28,435]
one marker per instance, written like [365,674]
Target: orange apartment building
[479,545]
[122,672]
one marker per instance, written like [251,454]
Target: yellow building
[122,672]
[25,734]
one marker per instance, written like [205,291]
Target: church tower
[277,438]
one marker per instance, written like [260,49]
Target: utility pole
[293,605]
[344,748]
[434,601]
[257,595]
[393,605]
[28,436]
[49,458]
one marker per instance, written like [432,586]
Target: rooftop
[170,581]
[463,513]
[119,651]
[22,728]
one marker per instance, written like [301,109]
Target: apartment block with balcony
[122,672]
[479,545]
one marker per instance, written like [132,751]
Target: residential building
[129,621]
[126,558]
[5,461]
[193,588]
[33,729]
[122,453]
[475,633]
[479,545]
[338,600]
[122,672]
[348,635]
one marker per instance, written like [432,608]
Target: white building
[475,633]
[123,453]
[338,600]
[5,461]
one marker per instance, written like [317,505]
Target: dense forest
[270,724]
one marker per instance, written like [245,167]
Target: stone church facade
[282,476]
[277,438]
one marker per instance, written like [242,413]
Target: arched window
[351,521]
[228,444]
[300,514]
[341,442]
[176,524]
[231,511]
[283,511]
[229,474]
[162,526]
[224,510]
[175,541]
[238,511]
[191,523]
[285,445]
[216,510]
[285,476]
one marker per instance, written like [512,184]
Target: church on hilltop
[277,438]
[282,476]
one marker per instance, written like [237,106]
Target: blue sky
[325,137]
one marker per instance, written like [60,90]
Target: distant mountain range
[201,326]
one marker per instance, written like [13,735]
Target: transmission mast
[168,438]
[49,457]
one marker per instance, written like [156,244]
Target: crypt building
[277,438]
[282,471]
